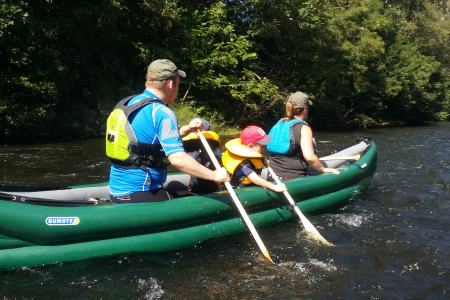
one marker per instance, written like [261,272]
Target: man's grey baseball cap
[163,69]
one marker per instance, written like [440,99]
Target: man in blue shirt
[155,124]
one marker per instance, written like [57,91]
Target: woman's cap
[163,69]
[254,134]
[300,100]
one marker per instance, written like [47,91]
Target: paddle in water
[306,224]
[235,198]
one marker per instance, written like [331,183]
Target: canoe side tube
[32,235]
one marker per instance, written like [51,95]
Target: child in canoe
[244,160]
[194,147]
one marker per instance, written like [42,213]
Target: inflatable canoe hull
[34,235]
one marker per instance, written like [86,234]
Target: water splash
[154,289]
[353,220]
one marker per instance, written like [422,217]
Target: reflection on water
[393,242]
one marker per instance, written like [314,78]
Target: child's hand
[196,124]
[280,188]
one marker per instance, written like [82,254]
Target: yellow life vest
[236,153]
[192,141]
[122,145]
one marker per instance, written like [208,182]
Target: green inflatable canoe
[49,225]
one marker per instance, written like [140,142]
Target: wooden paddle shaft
[235,198]
[306,223]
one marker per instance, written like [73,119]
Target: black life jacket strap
[294,149]
[142,162]
[145,149]
[128,109]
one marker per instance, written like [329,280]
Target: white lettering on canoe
[51,221]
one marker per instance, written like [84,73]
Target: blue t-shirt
[154,123]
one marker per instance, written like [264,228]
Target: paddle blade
[309,227]
[358,157]
[311,231]
[266,254]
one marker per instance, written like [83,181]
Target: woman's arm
[308,152]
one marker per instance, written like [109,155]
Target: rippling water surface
[393,242]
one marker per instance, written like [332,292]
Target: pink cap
[254,134]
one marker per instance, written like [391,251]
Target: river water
[392,243]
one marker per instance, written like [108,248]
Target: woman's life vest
[122,145]
[237,153]
[287,158]
[194,147]
[283,142]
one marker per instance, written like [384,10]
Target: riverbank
[185,113]
[68,130]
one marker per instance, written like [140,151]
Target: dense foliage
[65,64]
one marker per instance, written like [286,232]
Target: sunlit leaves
[390,78]
[363,62]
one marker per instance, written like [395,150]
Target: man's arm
[187,164]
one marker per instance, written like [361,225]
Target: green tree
[57,60]
[363,62]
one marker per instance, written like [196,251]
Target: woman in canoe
[293,147]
